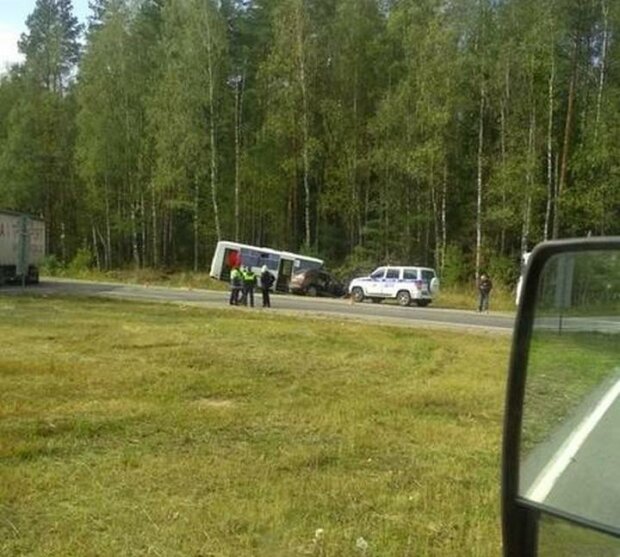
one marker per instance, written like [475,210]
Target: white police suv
[404,284]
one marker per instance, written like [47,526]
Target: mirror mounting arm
[521,536]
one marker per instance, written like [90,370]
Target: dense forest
[452,133]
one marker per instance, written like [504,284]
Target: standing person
[485,285]
[249,282]
[236,283]
[266,281]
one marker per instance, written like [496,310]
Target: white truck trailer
[22,247]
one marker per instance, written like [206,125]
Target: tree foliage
[423,131]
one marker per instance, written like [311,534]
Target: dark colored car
[316,282]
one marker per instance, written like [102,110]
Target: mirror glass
[570,442]
[560,538]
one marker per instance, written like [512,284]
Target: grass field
[135,429]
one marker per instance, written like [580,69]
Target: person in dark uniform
[266,282]
[484,288]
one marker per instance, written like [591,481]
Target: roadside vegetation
[453,295]
[146,277]
[136,429]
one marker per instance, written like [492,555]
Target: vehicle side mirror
[561,453]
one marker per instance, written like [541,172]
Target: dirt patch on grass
[204,403]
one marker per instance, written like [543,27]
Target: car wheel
[312,291]
[422,303]
[403,298]
[357,294]
[376,300]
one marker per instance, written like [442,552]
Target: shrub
[358,263]
[81,263]
[52,266]
[455,269]
[503,270]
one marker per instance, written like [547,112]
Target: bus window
[272,261]
[250,257]
[302,264]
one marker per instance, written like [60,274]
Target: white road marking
[550,474]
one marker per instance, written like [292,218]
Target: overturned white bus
[281,264]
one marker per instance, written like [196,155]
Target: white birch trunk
[155,227]
[550,183]
[238,122]
[436,216]
[134,236]
[108,229]
[529,180]
[304,122]
[212,135]
[143,232]
[96,248]
[444,222]
[601,78]
[196,223]
[354,219]
[570,103]
[502,137]
[479,184]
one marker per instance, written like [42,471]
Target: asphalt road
[589,484]
[385,312]
[576,469]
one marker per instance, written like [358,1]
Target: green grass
[562,371]
[135,429]
[462,297]
[151,277]
[559,538]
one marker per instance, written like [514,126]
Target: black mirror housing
[520,518]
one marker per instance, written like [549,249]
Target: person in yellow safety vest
[236,284]
[249,282]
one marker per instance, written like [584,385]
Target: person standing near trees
[249,282]
[485,285]
[266,281]
[236,283]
